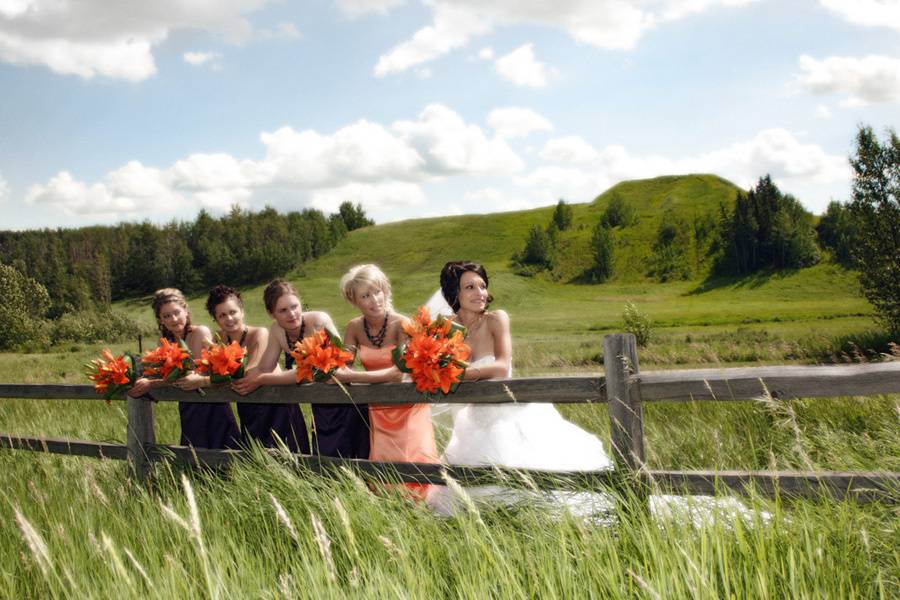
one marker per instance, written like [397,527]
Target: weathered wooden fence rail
[623,388]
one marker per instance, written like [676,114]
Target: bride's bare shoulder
[497,318]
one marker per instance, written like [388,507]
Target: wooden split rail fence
[623,388]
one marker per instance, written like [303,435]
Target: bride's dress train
[520,436]
[536,436]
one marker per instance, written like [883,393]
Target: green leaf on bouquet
[397,356]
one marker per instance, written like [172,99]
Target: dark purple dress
[208,425]
[341,430]
[267,423]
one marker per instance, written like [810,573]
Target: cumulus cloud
[450,146]
[381,166]
[109,39]
[570,149]
[870,13]
[363,151]
[521,68]
[377,198]
[605,24]
[199,58]
[453,27]
[130,189]
[864,80]
[516,122]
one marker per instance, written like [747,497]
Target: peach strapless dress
[399,432]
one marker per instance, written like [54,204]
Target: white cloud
[199,58]
[285,31]
[605,24]
[823,112]
[515,122]
[377,198]
[521,68]
[363,151]
[4,189]
[451,147]
[384,167]
[570,149]
[128,190]
[486,53]
[452,28]
[870,13]
[865,80]
[110,39]
[356,8]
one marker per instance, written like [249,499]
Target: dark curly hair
[220,294]
[451,275]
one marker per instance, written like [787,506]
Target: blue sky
[135,110]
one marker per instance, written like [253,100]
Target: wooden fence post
[623,396]
[141,434]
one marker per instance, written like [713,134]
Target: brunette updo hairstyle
[163,297]
[276,290]
[220,294]
[451,275]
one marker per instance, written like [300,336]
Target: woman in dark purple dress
[339,429]
[264,423]
[203,425]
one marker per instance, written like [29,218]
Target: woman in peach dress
[399,432]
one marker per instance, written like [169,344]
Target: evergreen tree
[603,251]
[537,248]
[562,215]
[837,232]
[354,217]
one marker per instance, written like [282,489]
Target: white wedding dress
[536,436]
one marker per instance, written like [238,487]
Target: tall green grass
[74,527]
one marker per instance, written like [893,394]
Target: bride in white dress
[528,435]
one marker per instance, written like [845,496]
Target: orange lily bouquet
[222,362]
[170,361]
[435,354]
[319,356]
[111,375]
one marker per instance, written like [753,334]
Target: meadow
[72,527]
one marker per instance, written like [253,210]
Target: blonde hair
[369,275]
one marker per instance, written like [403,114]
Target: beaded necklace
[376,340]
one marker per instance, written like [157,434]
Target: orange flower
[319,355]
[435,354]
[222,362]
[111,374]
[169,361]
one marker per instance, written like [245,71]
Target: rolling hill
[823,299]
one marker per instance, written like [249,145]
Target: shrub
[619,213]
[637,323]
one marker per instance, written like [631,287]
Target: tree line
[57,284]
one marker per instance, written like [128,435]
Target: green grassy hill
[558,322]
